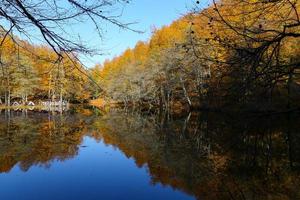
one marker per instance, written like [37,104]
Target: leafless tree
[51,20]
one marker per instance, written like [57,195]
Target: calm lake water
[87,154]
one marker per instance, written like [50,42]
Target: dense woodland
[233,54]
[52,71]
[34,73]
[237,56]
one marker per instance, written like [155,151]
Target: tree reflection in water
[39,138]
[207,155]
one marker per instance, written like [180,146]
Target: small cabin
[30,103]
[16,103]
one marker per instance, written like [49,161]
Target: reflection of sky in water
[97,172]
[206,155]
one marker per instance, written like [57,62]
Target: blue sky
[147,13]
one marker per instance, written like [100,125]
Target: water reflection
[34,138]
[205,155]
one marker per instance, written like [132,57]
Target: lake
[89,154]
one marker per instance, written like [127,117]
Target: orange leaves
[34,71]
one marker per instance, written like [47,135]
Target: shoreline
[248,110]
[32,108]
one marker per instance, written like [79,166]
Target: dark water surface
[87,154]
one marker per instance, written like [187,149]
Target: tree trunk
[61,97]
[289,89]
[49,86]
[185,93]
[7,92]
[8,98]
[160,103]
[162,98]
[5,98]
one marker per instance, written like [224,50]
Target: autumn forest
[206,106]
[219,57]
[214,58]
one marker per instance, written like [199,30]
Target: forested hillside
[242,54]
[36,73]
[232,54]
[53,71]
